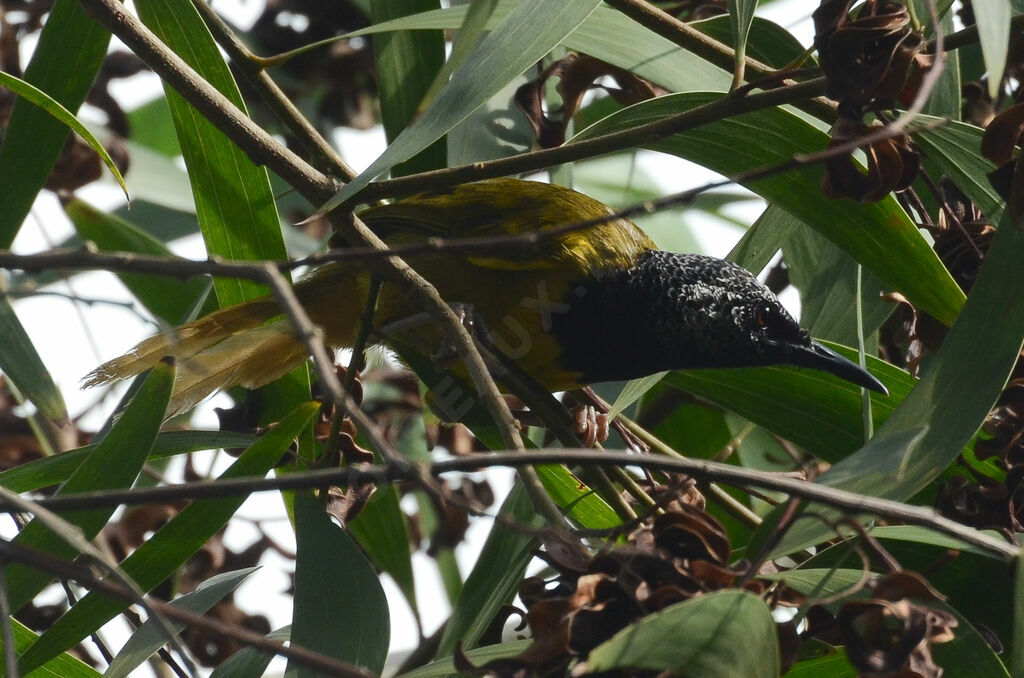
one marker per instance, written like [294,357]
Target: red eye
[762,319]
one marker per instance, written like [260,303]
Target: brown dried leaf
[577,74]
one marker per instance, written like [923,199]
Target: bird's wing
[504,207]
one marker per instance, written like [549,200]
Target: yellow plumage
[252,344]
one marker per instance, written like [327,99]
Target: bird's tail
[245,345]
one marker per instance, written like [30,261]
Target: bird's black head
[685,311]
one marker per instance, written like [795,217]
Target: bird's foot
[590,425]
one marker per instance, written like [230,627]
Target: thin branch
[728,106]
[355,476]
[252,139]
[313,660]
[967,36]
[73,536]
[709,49]
[314,185]
[287,112]
[7,626]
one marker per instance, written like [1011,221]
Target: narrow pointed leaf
[47,471]
[172,545]
[495,577]
[340,608]
[1018,620]
[948,405]
[114,463]
[763,239]
[407,63]
[21,363]
[234,201]
[150,637]
[741,16]
[112,234]
[64,63]
[64,666]
[250,662]
[993,17]
[717,635]
[953,149]
[30,93]
[526,34]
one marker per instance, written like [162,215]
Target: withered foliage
[872,60]
[892,165]
[577,74]
[678,556]
[890,634]
[999,144]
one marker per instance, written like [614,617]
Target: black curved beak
[819,357]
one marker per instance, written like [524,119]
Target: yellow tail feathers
[233,347]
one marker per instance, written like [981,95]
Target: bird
[575,308]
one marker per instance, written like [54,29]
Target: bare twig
[307,180]
[354,476]
[73,536]
[7,626]
[245,61]
[313,660]
[728,106]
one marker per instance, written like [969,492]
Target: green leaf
[763,239]
[150,637]
[993,17]
[880,235]
[250,662]
[407,63]
[64,666]
[33,94]
[113,464]
[827,280]
[522,38]
[40,473]
[340,608]
[23,366]
[954,149]
[948,405]
[496,576]
[153,128]
[233,197]
[741,15]
[64,63]
[234,201]
[172,545]
[767,41]
[834,665]
[381,530]
[112,234]
[470,31]
[606,34]
[945,99]
[585,507]
[479,656]
[974,583]
[818,412]
[633,391]
[724,634]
